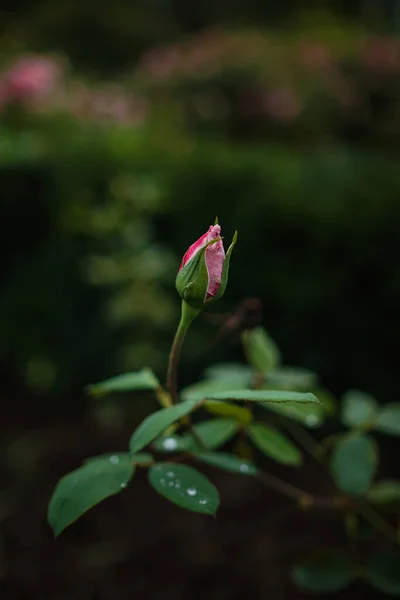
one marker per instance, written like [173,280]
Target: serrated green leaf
[383,573]
[388,419]
[353,463]
[310,415]
[262,396]
[127,382]
[213,433]
[206,389]
[185,487]
[227,462]
[260,349]
[225,409]
[158,422]
[85,487]
[274,444]
[358,409]
[325,571]
[384,492]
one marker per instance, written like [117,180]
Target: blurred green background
[125,128]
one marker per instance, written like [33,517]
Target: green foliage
[158,422]
[229,373]
[106,191]
[261,351]
[386,491]
[185,487]
[142,458]
[359,410]
[206,388]
[170,443]
[388,419]
[353,463]
[127,382]
[274,444]
[290,378]
[325,571]
[85,487]
[383,573]
[279,392]
[216,407]
[227,462]
[310,415]
[259,396]
[212,433]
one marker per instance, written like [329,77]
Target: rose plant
[259,404]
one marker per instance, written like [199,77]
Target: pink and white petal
[215,258]
[213,232]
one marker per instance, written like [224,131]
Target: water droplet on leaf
[191,491]
[244,468]
[114,459]
[170,444]
[312,420]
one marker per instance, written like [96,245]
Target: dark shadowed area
[125,129]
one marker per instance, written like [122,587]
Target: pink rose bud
[203,274]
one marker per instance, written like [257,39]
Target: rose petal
[215,258]
[213,232]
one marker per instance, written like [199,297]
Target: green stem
[187,315]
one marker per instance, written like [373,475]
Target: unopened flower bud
[203,274]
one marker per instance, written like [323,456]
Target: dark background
[153,117]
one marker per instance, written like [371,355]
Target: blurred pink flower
[381,54]
[161,62]
[281,104]
[108,102]
[28,79]
[314,56]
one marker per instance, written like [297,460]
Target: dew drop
[170,444]
[312,420]
[124,484]
[170,474]
[191,491]
[171,484]
[244,468]
[162,481]
[203,501]
[177,485]
[114,459]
